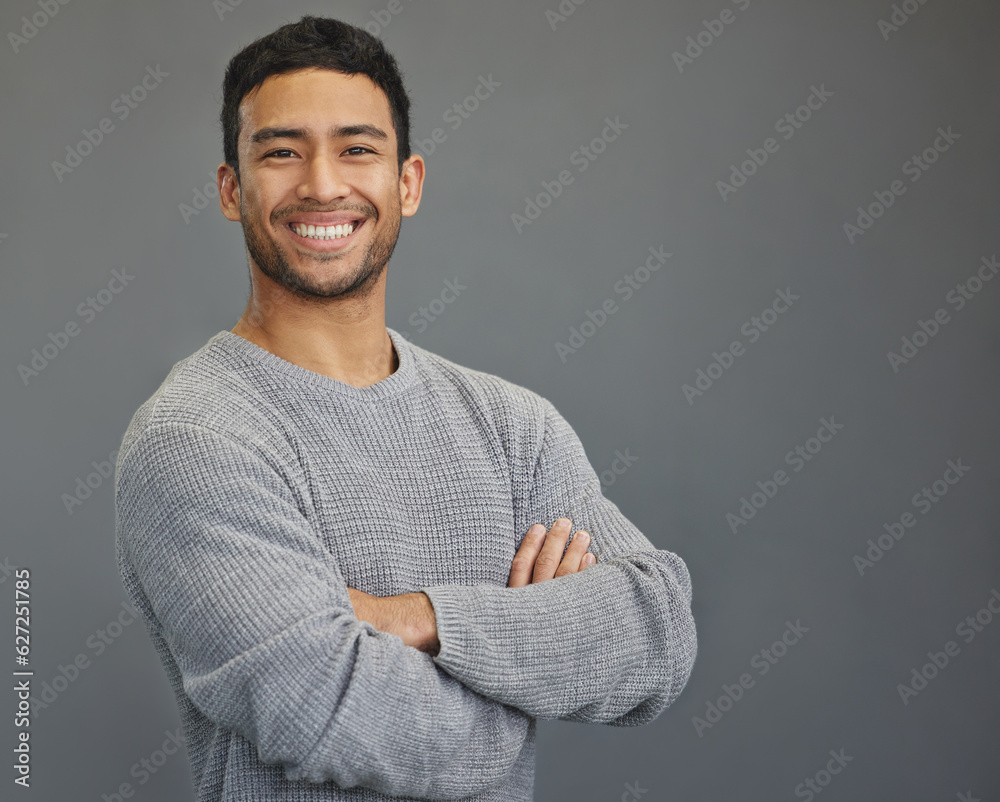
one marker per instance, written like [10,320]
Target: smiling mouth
[323,233]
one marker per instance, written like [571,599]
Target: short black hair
[309,43]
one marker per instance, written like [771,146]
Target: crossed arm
[410,616]
[271,643]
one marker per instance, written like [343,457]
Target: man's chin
[306,286]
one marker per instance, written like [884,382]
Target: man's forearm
[411,616]
[408,615]
[614,643]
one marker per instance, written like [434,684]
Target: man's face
[318,148]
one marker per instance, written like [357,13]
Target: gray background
[655,185]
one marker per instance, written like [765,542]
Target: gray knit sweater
[252,492]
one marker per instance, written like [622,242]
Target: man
[324,524]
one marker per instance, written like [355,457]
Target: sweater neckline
[391,385]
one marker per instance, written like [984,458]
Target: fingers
[573,559]
[548,558]
[541,555]
[524,561]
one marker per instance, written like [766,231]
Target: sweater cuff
[459,627]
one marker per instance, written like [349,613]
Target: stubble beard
[272,259]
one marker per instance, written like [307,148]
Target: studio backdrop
[748,248]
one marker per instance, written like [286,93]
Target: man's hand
[538,557]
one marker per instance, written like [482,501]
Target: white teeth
[321,232]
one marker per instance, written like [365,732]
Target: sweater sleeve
[614,643]
[259,622]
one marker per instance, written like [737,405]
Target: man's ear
[411,184]
[230,206]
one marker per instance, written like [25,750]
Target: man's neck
[358,352]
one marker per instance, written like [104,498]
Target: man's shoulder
[206,389]
[501,398]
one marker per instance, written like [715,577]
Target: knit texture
[251,493]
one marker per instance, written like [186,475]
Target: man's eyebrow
[337,132]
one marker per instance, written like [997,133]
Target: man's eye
[275,152]
[359,147]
